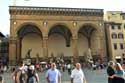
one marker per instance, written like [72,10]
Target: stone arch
[90,24]
[29,36]
[28,23]
[59,27]
[60,36]
[88,35]
[60,23]
[28,29]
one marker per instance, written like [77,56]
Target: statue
[28,54]
[28,57]
[90,56]
[37,58]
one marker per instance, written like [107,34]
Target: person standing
[32,75]
[77,75]
[53,75]
[119,74]
[20,74]
[111,72]
[69,68]
[1,79]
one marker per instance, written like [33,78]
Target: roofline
[28,10]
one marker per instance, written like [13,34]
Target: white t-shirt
[77,76]
[68,66]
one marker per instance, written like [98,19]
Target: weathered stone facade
[40,23]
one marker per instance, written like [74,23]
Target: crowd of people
[28,74]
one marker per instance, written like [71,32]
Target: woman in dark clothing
[119,74]
[110,72]
[32,75]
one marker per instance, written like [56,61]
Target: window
[113,27]
[123,54]
[121,46]
[120,36]
[124,26]
[115,46]
[114,35]
[123,17]
[119,27]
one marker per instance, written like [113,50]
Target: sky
[107,5]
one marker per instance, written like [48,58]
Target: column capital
[13,37]
[45,37]
[13,41]
[75,37]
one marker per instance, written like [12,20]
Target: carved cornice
[28,10]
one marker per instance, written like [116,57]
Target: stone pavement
[92,76]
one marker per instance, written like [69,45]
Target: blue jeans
[52,82]
[32,80]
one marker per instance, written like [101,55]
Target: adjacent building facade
[4,49]
[45,32]
[115,31]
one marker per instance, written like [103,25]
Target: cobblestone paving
[92,76]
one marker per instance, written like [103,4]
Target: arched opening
[30,40]
[88,43]
[59,43]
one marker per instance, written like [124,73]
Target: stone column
[45,47]
[12,51]
[102,49]
[19,44]
[75,49]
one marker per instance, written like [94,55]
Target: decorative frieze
[28,10]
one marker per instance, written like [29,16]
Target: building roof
[30,10]
[1,34]
[123,13]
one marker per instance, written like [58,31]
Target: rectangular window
[115,46]
[121,46]
[123,17]
[120,36]
[123,54]
[113,27]
[114,36]
[119,27]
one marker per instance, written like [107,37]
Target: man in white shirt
[77,75]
